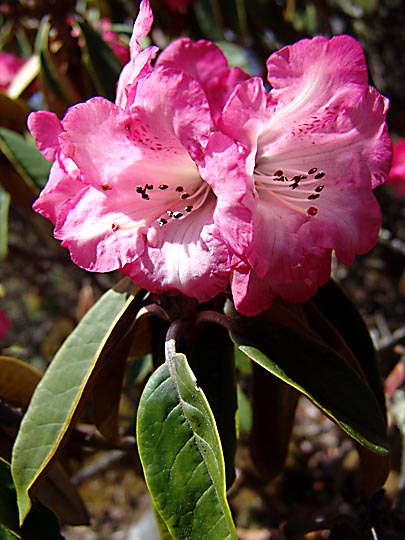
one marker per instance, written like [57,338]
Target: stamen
[185,195]
[162,221]
[149,186]
[145,196]
[278,173]
[139,189]
[188,208]
[312,211]
[106,187]
[163,186]
[179,189]
[313,196]
[177,215]
[114,227]
[318,189]
[313,170]
[321,174]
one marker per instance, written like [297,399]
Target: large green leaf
[181,454]
[339,311]
[319,373]
[102,64]
[40,523]
[67,383]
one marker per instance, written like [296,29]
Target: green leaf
[25,158]
[6,534]
[212,361]
[161,525]
[4,207]
[319,373]
[181,454]
[40,523]
[270,435]
[339,310]
[18,381]
[102,64]
[61,394]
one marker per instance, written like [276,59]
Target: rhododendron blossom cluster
[198,179]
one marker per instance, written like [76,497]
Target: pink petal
[233,216]
[62,185]
[140,63]
[397,172]
[86,226]
[312,70]
[203,60]
[143,24]
[45,128]
[184,256]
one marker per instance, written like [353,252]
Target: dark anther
[177,215]
[163,186]
[149,186]
[185,195]
[278,173]
[313,196]
[139,189]
[318,189]
[145,196]
[188,208]
[115,227]
[313,170]
[312,211]
[321,174]
[162,221]
[106,187]
[179,189]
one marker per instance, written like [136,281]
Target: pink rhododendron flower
[397,172]
[197,178]
[10,65]
[4,324]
